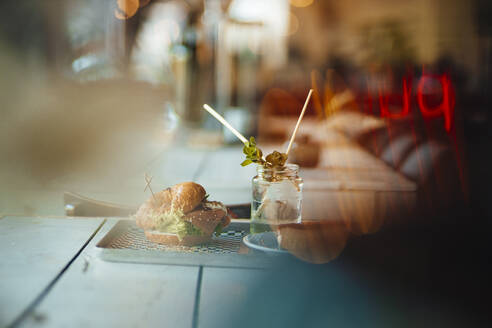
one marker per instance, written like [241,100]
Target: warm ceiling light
[301,3]
[126,8]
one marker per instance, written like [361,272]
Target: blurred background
[94,92]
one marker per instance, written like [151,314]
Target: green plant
[255,155]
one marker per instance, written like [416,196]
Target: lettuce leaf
[172,222]
[218,229]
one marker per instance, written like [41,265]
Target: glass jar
[277,197]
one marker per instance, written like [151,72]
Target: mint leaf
[246,162]
[253,154]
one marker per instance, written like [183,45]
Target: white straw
[299,121]
[226,124]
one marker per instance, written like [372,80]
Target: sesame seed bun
[187,202]
[182,197]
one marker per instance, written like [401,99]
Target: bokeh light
[301,3]
[126,8]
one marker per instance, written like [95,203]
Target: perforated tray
[126,235]
[126,242]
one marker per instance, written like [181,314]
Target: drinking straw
[299,121]
[225,123]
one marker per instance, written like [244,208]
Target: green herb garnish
[255,155]
[189,230]
[218,229]
[276,159]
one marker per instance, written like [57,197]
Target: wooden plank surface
[30,201]
[358,179]
[362,211]
[169,167]
[344,168]
[224,178]
[334,295]
[224,289]
[33,251]
[96,293]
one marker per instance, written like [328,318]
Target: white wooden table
[52,276]
[33,253]
[343,167]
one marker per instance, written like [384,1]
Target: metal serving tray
[126,235]
[126,242]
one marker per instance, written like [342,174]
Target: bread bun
[151,206]
[182,197]
[186,196]
[171,239]
[182,202]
